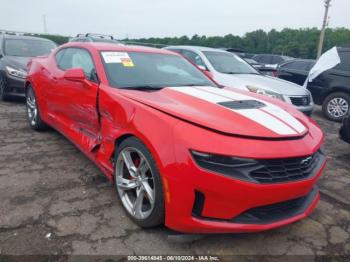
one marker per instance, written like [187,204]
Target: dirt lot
[55,201]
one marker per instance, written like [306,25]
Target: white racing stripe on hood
[267,118]
[270,108]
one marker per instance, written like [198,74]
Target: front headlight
[16,72]
[235,167]
[262,91]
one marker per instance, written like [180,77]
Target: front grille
[275,212]
[287,169]
[300,100]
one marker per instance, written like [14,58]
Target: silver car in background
[230,70]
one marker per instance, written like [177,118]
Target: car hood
[225,110]
[270,83]
[17,61]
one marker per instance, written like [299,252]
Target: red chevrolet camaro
[180,150]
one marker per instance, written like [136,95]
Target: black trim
[270,213]
[198,204]
[262,171]
[243,104]
[273,171]
[276,212]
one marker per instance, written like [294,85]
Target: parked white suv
[228,69]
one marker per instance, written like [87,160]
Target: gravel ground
[54,201]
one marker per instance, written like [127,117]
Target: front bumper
[14,85]
[307,110]
[228,202]
[296,101]
[227,198]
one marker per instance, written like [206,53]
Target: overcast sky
[158,18]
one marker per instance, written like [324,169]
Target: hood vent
[243,104]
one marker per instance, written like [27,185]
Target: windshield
[228,63]
[148,70]
[27,48]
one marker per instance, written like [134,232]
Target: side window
[309,65]
[257,58]
[193,57]
[288,65]
[75,58]
[265,59]
[298,65]
[176,51]
[61,60]
[345,61]
[277,60]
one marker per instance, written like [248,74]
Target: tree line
[291,42]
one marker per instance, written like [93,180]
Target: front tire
[33,112]
[138,183]
[336,106]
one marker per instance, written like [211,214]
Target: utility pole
[324,24]
[45,25]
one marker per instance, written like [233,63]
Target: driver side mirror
[75,75]
[205,71]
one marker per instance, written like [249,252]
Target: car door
[73,104]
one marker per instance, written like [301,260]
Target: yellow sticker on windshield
[127,62]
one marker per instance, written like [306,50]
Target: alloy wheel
[32,110]
[135,183]
[338,107]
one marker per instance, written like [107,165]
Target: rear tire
[33,113]
[336,106]
[138,183]
[3,95]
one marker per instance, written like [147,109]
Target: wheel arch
[149,145]
[334,90]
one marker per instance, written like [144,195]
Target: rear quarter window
[264,59]
[277,60]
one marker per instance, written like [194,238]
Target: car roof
[101,46]
[300,60]
[23,37]
[196,48]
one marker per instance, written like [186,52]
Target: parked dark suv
[15,53]
[332,88]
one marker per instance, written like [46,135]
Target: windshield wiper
[252,73]
[143,87]
[189,85]
[231,73]
[197,85]
[239,73]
